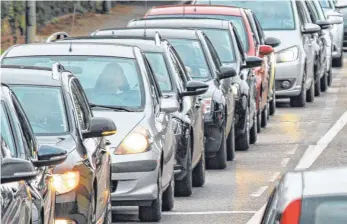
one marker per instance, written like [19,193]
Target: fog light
[63,221]
[285,84]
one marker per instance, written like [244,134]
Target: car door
[95,147]
[307,42]
[164,128]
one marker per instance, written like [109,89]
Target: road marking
[293,150]
[284,162]
[256,218]
[274,176]
[260,191]
[314,151]
[209,213]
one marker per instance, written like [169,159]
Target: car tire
[152,213]
[92,218]
[324,82]
[243,141]
[310,94]
[258,122]
[338,62]
[231,143]
[184,187]
[254,131]
[272,109]
[199,172]
[300,100]
[317,87]
[264,116]
[169,196]
[330,77]
[219,161]
[108,215]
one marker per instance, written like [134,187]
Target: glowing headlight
[136,142]
[66,182]
[288,55]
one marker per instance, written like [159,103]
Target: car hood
[289,38]
[66,142]
[124,121]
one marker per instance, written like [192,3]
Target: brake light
[291,214]
[206,106]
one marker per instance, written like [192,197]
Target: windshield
[6,131]
[193,58]
[221,41]
[322,210]
[107,81]
[266,11]
[157,62]
[326,4]
[45,108]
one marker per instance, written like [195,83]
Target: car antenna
[144,32]
[72,25]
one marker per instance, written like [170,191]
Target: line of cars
[187,85]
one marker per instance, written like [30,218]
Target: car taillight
[206,106]
[291,214]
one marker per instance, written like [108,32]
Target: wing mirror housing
[13,169]
[272,41]
[341,5]
[323,24]
[100,127]
[335,19]
[265,49]
[49,156]
[169,105]
[226,72]
[310,28]
[195,88]
[253,62]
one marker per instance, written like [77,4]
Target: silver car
[120,85]
[335,17]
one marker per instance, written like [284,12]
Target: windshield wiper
[110,107]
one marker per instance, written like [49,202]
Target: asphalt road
[236,193]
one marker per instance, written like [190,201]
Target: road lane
[233,195]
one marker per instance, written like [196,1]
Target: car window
[107,81]
[319,10]
[301,14]
[178,71]
[259,29]
[81,107]
[326,4]
[156,94]
[253,28]
[7,131]
[312,11]
[45,108]
[158,64]
[214,54]
[221,41]
[192,55]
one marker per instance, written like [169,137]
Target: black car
[231,53]
[27,195]
[202,62]
[174,82]
[59,114]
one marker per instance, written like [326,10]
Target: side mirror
[310,28]
[272,41]
[323,24]
[226,72]
[13,169]
[49,156]
[253,62]
[340,5]
[169,105]
[335,19]
[195,88]
[100,127]
[265,49]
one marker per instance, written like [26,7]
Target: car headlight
[287,55]
[66,182]
[236,90]
[137,141]
[207,106]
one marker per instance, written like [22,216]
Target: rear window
[323,210]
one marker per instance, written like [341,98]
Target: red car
[240,20]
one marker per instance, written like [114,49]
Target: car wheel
[92,218]
[310,93]
[169,196]
[258,122]
[324,82]
[330,77]
[317,87]
[338,62]
[300,100]
[219,161]
[152,213]
[199,171]
[254,131]
[184,187]
[108,215]
[272,109]
[231,143]
[243,141]
[264,117]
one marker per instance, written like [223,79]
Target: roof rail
[157,39]
[57,68]
[57,36]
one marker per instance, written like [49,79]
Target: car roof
[143,44]
[181,23]
[150,32]
[195,9]
[28,75]
[64,48]
[325,182]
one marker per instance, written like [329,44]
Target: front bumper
[134,179]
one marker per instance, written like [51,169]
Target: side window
[181,79]
[301,13]
[29,141]
[254,29]
[239,44]
[260,29]
[6,132]
[214,53]
[156,94]
[82,110]
[311,11]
